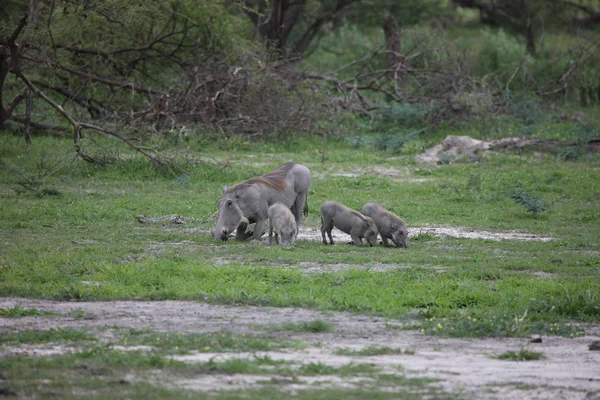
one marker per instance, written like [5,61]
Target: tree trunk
[9,61]
[273,33]
[393,55]
[530,39]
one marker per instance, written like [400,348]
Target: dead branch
[515,143]
[59,130]
[95,78]
[78,126]
[173,219]
[26,133]
[85,102]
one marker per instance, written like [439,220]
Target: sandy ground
[569,371]
[314,234]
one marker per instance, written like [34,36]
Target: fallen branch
[60,130]
[79,126]
[173,218]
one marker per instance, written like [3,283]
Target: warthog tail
[305,209]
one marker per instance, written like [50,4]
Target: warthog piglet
[389,225]
[358,226]
[283,223]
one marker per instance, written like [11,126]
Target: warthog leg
[258,229]
[240,233]
[357,240]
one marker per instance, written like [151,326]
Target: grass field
[69,232]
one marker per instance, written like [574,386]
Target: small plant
[422,237]
[351,369]
[473,184]
[521,355]
[34,182]
[315,326]
[355,141]
[235,366]
[78,313]
[532,203]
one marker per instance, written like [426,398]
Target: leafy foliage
[532,203]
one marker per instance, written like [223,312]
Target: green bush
[501,54]
[532,203]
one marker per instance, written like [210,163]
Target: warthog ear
[225,187]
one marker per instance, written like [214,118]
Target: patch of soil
[394,174]
[459,232]
[569,370]
[308,233]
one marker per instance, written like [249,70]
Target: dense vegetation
[259,68]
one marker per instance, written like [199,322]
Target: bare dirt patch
[307,233]
[460,232]
[569,371]
[392,173]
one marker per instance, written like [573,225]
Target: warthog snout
[224,234]
[220,234]
[399,244]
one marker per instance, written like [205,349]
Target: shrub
[532,203]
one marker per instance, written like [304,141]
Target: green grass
[315,326]
[495,325]
[87,245]
[61,335]
[19,312]
[179,343]
[521,355]
[103,373]
[372,351]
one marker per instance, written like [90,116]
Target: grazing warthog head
[230,217]
[371,234]
[399,235]
[287,235]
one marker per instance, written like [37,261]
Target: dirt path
[569,371]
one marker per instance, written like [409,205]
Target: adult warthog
[249,201]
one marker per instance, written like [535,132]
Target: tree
[88,54]
[525,16]
[290,27]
